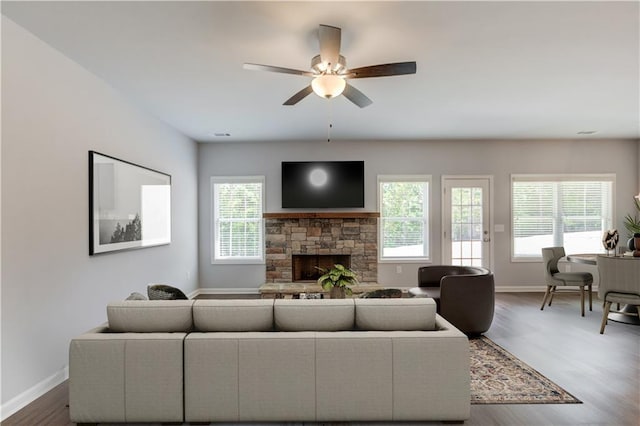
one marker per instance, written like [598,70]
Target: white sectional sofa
[266,360]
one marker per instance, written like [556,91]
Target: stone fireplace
[298,242]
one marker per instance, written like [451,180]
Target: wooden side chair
[554,278]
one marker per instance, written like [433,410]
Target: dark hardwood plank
[603,371]
[50,409]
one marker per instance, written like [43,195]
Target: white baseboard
[27,397]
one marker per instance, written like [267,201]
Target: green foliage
[404,204]
[241,200]
[338,276]
[131,232]
[239,210]
[632,223]
[403,199]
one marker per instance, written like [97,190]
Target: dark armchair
[465,295]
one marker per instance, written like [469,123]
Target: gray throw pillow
[165,292]
[136,296]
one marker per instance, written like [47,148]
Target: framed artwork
[129,205]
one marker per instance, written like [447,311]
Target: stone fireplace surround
[353,234]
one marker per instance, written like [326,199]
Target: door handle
[486,238]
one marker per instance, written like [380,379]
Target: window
[571,211]
[404,217]
[237,219]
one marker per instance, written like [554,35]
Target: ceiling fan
[329,71]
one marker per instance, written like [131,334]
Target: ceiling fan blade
[356,96]
[384,70]
[259,67]
[299,96]
[329,44]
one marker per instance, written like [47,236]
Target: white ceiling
[484,69]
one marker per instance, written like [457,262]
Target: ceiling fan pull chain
[329,117]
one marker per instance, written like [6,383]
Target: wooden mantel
[320,215]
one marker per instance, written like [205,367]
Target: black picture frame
[129,205]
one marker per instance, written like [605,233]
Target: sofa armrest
[468,301]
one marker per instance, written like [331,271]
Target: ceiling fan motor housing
[320,67]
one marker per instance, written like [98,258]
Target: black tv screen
[322,184]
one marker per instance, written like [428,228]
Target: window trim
[429,239]
[555,177]
[261,260]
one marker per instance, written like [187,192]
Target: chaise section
[131,371]
[431,374]
[94,393]
[126,377]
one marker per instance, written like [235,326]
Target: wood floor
[603,371]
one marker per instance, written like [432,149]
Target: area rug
[498,377]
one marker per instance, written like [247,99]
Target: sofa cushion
[395,314]
[136,296]
[150,316]
[313,314]
[233,315]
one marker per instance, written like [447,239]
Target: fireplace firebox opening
[305,266]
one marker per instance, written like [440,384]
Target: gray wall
[53,112]
[497,158]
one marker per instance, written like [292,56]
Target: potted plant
[338,280]
[632,223]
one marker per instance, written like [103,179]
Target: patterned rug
[498,377]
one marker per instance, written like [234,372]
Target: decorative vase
[630,244]
[337,293]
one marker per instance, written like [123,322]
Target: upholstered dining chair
[619,283]
[554,278]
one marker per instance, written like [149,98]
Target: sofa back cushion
[233,315]
[150,316]
[314,314]
[395,314]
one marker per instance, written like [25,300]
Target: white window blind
[404,217]
[237,220]
[565,210]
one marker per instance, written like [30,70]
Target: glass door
[466,221]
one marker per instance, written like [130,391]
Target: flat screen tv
[322,184]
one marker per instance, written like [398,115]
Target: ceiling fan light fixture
[328,85]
